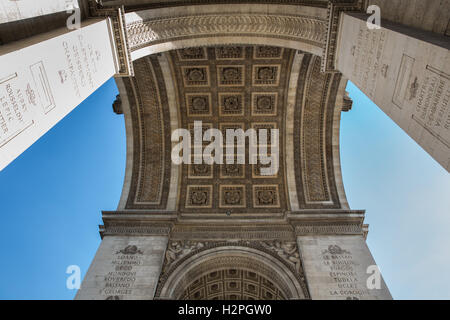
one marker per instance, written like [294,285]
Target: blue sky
[53,193]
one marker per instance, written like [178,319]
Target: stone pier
[45,77]
[125,266]
[406,72]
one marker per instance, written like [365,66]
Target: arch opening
[232,284]
[297,27]
[231,273]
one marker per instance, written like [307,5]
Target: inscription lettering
[342,273]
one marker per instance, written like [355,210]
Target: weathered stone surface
[43,78]
[124,268]
[25,9]
[161,29]
[406,73]
[428,15]
[336,268]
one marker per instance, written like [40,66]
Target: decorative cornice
[238,232]
[305,29]
[315,103]
[335,7]
[155,4]
[151,133]
[329,229]
[136,224]
[306,222]
[327,222]
[117,17]
[134,229]
[289,27]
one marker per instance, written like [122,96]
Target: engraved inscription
[82,63]
[367,63]
[431,110]
[341,270]
[15,116]
[119,283]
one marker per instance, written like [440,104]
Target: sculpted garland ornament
[286,250]
[179,249]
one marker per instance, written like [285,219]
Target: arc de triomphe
[226,231]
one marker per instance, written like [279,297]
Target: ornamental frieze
[288,27]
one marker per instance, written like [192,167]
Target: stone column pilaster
[125,268]
[339,267]
[45,77]
[406,72]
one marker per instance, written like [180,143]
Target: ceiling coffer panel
[233,88]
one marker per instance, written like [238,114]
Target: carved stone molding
[335,7]
[309,30]
[151,133]
[238,232]
[288,27]
[117,19]
[154,4]
[313,116]
[327,222]
[136,223]
[134,228]
[284,251]
[329,228]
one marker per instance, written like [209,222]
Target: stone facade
[338,267]
[125,268]
[233,233]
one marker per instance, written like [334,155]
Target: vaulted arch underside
[233,87]
[241,270]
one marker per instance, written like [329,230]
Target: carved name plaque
[336,268]
[124,268]
[408,78]
[42,82]
[341,266]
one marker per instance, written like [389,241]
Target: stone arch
[319,118]
[232,284]
[174,281]
[290,26]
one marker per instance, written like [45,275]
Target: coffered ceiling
[232,87]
